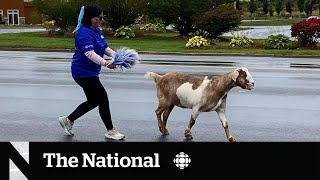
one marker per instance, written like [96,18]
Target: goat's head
[242,78]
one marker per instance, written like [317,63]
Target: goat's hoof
[164,131]
[231,139]
[187,134]
[189,137]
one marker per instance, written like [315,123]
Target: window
[13,17]
[1,17]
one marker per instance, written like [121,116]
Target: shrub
[63,12]
[197,41]
[278,41]
[241,41]
[151,27]
[181,13]
[125,32]
[307,31]
[50,27]
[121,13]
[219,20]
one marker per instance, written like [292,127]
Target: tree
[278,6]
[289,7]
[300,4]
[252,7]
[311,6]
[120,13]
[219,20]
[180,13]
[237,5]
[271,11]
[308,7]
[265,6]
[63,12]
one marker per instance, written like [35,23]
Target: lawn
[156,42]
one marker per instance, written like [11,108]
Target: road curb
[170,53]
[230,54]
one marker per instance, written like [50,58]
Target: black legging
[96,96]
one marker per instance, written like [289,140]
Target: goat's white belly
[189,97]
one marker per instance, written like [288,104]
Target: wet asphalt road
[36,88]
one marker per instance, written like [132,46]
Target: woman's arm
[109,52]
[97,59]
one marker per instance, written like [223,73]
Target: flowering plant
[240,41]
[197,41]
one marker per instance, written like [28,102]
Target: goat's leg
[223,119]
[159,112]
[165,116]
[192,121]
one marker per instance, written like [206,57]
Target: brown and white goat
[201,94]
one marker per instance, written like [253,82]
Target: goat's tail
[155,76]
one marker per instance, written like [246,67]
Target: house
[18,12]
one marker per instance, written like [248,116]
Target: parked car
[313,17]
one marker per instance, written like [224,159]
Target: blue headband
[79,19]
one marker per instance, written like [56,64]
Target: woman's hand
[110,65]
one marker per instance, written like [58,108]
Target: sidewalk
[6,29]
[262,32]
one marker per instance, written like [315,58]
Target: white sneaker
[66,125]
[114,134]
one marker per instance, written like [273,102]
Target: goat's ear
[234,75]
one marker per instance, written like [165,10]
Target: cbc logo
[182,160]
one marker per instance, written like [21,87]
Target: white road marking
[251,67]
[38,61]
[29,84]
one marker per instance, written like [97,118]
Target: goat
[201,94]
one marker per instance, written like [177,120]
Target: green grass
[34,40]
[158,42]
